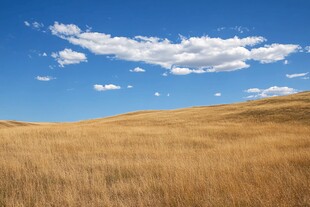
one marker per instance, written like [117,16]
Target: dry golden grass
[249,154]
[5,124]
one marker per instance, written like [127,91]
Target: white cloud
[107,87]
[42,54]
[237,65]
[217,94]
[34,25]
[27,23]
[68,56]
[181,71]
[156,94]
[63,30]
[165,74]
[168,94]
[272,91]
[253,90]
[44,78]
[37,25]
[203,54]
[137,70]
[129,86]
[273,53]
[185,71]
[285,62]
[220,29]
[307,48]
[296,75]
[305,78]
[239,29]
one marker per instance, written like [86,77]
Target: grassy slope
[292,108]
[5,124]
[255,153]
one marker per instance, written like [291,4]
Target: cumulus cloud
[181,71]
[253,90]
[129,86]
[34,25]
[45,78]
[307,48]
[197,54]
[68,56]
[285,62]
[273,53]
[272,91]
[107,87]
[137,70]
[217,94]
[63,30]
[296,75]
[157,94]
[185,71]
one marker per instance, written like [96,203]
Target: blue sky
[88,59]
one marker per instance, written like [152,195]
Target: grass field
[255,153]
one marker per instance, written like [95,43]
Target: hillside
[284,109]
[5,124]
[291,108]
[255,153]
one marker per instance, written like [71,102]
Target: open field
[255,153]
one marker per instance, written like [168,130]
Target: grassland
[255,153]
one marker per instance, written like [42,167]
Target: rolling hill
[5,124]
[255,153]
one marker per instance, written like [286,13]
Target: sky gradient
[80,60]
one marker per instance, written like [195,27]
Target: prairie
[255,153]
